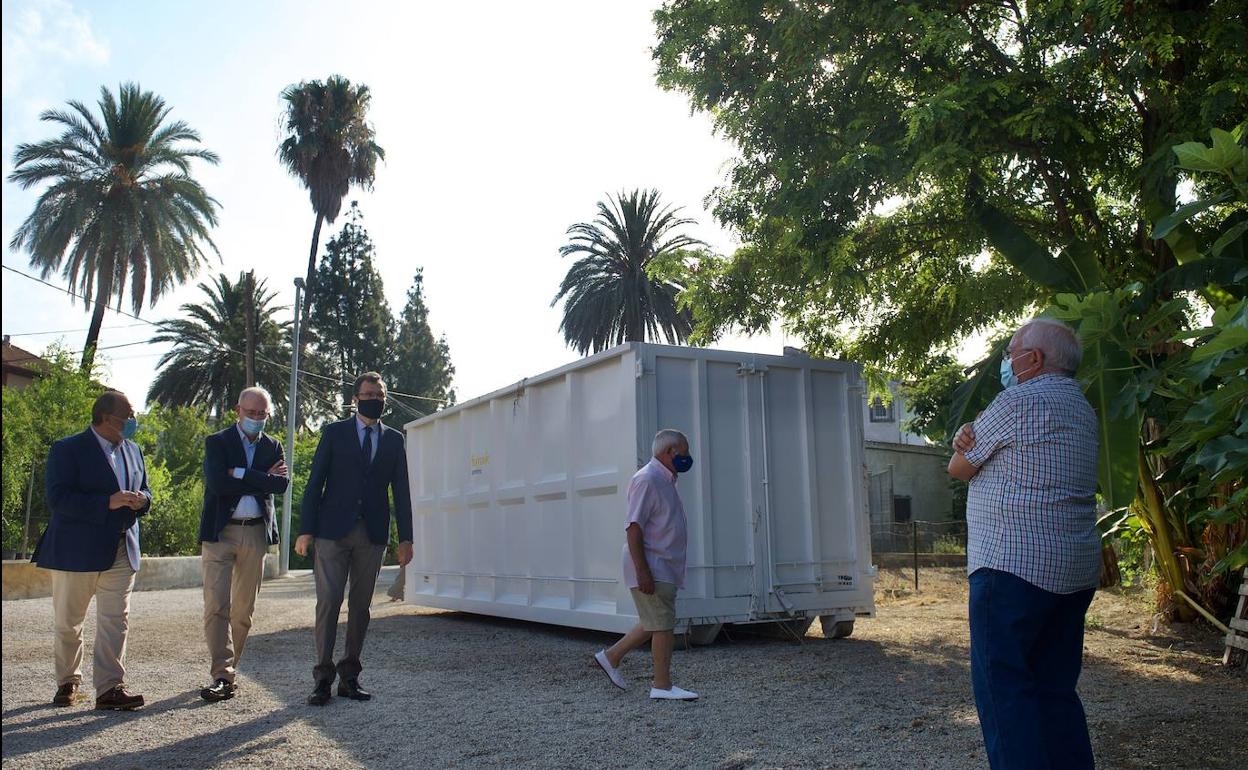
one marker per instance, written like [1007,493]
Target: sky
[503,124]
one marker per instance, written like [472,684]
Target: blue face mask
[682,463]
[251,426]
[129,428]
[1008,380]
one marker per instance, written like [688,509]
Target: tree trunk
[103,288]
[93,336]
[249,286]
[309,285]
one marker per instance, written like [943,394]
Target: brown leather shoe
[117,699]
[67,695]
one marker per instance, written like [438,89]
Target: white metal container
[519,497]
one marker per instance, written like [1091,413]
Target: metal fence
[918,544]
[947,537]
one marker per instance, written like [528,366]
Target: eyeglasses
[255,414]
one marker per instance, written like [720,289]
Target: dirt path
[454,690]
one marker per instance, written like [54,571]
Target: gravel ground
[455,690]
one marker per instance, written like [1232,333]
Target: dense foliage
[912,176]
[421,363]
[352,328]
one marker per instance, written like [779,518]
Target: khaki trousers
[353,560]
[233,567]
[71,596]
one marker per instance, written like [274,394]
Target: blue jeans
[1026,653]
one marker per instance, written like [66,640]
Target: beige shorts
[657,611]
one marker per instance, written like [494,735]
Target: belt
[247,522]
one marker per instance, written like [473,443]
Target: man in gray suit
[359,463]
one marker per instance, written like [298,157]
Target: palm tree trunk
[310,284]
[103,288]
[93,333]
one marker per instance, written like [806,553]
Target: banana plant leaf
[1106,371]
[977,392]
[1074,269]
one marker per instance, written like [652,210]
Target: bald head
[1055,341]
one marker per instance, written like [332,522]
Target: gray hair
[1059,343]
[666,439]
[255,390]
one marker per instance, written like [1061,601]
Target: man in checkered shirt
[1033,551]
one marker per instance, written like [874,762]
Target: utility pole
[249,287]
[292,408]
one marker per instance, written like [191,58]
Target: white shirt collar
[105,444]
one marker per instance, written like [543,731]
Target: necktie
[366,446]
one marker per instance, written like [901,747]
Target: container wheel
[838,629]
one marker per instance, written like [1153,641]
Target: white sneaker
[675,693]
[612,672]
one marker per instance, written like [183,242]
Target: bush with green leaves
[55,405]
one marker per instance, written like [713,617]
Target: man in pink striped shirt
[654,563]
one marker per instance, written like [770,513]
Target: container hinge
[641,369]
[746,369]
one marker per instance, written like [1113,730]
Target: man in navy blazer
[97,490]
[243,468]
[346,510]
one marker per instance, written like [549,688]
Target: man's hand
[645,582]
[405,553]
[126,499]
[302,543]
[279,469]
[964,441]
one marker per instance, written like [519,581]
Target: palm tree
[206,364]
[328,147]
[121,204]
[611,298]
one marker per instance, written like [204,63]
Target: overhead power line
[65,331]
[226,348]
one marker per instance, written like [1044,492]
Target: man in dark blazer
[243,468]
[346,510]
[96,490]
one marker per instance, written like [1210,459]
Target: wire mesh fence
[943,537]
[919,544]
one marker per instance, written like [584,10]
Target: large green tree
[612,294]
[913,175]
[421,363]
[329,146]
[351,323]
[869,133]
[206,365]
[121,206]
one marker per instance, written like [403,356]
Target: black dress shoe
[67,695]
[117,699]
[350,688]
[219,690]
[321,695]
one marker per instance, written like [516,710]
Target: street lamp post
[292,409]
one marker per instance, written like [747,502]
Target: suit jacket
[223,451]
[83,534]
[342,488]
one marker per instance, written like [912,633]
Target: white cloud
[42,35]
